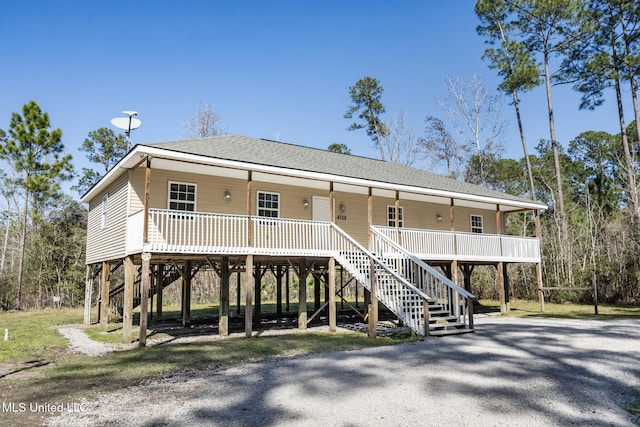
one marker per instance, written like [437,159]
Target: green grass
[522,308]
[32,335]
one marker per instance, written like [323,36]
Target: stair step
[444,332]
[446,325]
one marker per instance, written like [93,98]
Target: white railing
[400,296]
[276,236]
[455,303]
[447,245]
[190,232]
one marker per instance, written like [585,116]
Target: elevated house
[244,206]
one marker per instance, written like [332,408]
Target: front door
[320,209]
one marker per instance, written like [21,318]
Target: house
[243,205]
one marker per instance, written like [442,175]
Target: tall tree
[476,116]
[204,123]
[35,152]
[548,28]
[607,58]
[104,148]
[365,96]
[510,58]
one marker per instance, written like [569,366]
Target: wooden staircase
[116,293]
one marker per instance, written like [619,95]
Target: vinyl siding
[108,243]
[210,199]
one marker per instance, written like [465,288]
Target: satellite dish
[127,124]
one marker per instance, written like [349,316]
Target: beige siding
[210,199]
[108,243]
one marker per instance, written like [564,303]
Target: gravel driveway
[511,372]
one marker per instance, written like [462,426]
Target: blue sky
[271,69]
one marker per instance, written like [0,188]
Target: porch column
[127,301]
[500,266]
[302,295]
[332,295]
[369,217]
[144,297]
[160,285]
[104,295]
[397,215]
[147,192]
[452,227]
[223,311]
[248,296]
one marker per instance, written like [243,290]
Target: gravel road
[511,372]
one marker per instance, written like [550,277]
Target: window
[391,216]
[476,223]
[105,206]
[268,204]
[182,197]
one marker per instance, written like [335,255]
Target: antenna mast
[127,124]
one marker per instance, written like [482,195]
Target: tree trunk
[6,238]
[632,190]
[23,241]
[565,252]
[632,79]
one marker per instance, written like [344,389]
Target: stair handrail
[381,263]
[424,265]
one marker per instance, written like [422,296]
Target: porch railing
[447,245]
[194,232]
[453,300]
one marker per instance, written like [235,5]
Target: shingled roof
[282,155]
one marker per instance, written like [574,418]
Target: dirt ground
[513,372]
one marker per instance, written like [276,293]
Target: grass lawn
[522,308]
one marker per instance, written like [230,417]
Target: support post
[144,298]
[127,302]
[223,311]
[500,284]
[302,295]
[279,271]
[88,290]
[238,292]
[372,309]
[104,296]
[160,285]
[248,295]
[186,295]
[332,295]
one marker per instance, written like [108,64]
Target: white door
[320,212]
[320,209]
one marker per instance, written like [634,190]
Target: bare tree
[441,147]
[476,117]
[400,143]
[204,122]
